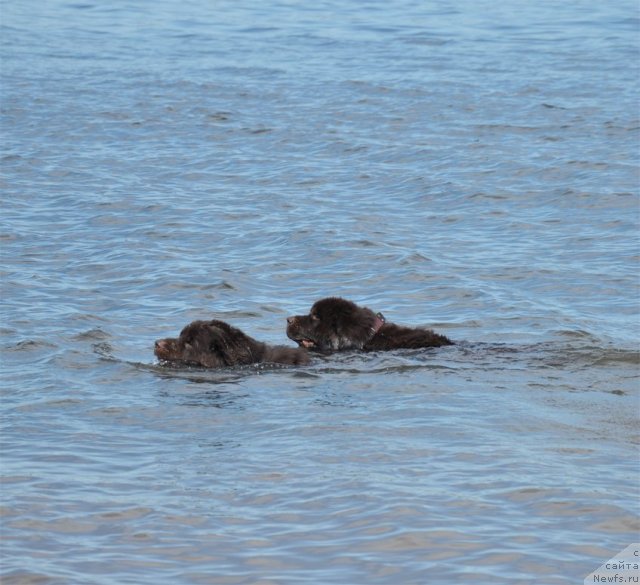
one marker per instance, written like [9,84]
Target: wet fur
[216,344]
[336,324]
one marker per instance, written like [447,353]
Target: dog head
[212,344]
[334,324]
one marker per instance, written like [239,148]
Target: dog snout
[291,320]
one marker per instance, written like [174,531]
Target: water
[469,166]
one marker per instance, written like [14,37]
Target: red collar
[377,324]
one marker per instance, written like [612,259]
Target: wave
[485,357]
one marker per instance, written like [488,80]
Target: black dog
[335,324]
[215,344]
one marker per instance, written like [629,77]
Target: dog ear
[231,345]
[356,328]
[211,360]
[212,353]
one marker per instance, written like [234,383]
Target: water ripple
[465,167]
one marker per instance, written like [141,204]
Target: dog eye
[314,317]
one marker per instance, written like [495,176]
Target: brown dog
[216,344]
[335,324]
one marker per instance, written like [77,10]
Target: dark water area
[466,166]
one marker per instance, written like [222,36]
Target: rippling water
[468,166]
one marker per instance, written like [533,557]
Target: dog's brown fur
[335,324]
[216,344]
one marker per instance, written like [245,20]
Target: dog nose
[291,320]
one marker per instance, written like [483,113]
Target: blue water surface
[466,166]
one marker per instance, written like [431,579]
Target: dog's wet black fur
[216,344]
[336,324]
